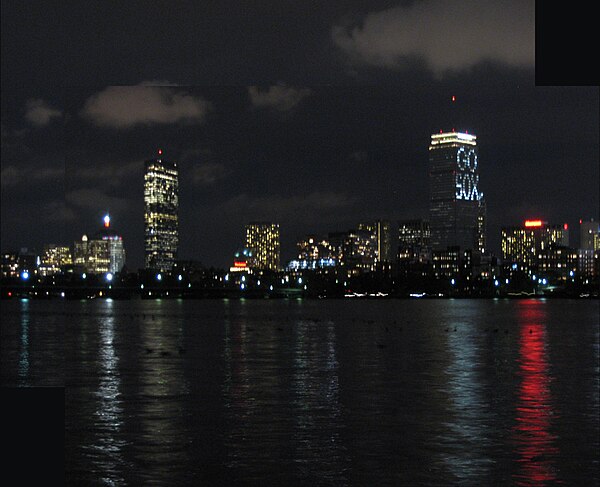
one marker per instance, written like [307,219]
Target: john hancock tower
[456,206]
[161,221]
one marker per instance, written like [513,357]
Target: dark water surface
[338,392]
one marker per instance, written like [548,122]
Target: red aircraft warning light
[533,223]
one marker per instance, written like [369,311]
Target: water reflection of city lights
[23,369]
[535,444]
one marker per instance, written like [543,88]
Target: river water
[323,392]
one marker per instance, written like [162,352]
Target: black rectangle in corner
[33,434]
[565,44]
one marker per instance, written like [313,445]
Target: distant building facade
[528,245]
[313,252]
[242,261]
[589,235]
[263,241]
[382,230]
[414,240]
[10,265]
[161,213]
[481,242]
[589,249]
[359,250]
[54,259]
[102,253]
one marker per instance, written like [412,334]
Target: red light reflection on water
[534,441]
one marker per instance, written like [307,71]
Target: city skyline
[248,243]
[339,139]
[422,213]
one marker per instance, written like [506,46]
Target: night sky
[316,118]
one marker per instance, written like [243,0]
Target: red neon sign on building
[533,223]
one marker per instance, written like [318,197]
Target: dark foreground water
[340,392]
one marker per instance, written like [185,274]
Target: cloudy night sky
[316,118]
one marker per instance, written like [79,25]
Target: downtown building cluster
[443,255]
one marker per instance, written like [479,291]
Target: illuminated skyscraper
[262,239]
[454,191]
[161,208]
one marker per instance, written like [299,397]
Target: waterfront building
[161,213]
[454,195]
[382,231]
[312,248]
[28,262]
[314,252]
[242,261]
[262,240]
[10,265]
[557,263]
[414,240]
[336,244]
[446,263]
[102,253]
[589,235]
[359,250]
[589,249]
[523,245]
[480,244]
[588,263]
[54,259]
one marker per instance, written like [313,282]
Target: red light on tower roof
[453,98]
[160,152]
[565,226]
[533,223]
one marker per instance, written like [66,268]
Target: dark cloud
[359,156]
[40,113]
[13,175]
[113,175]
[123,107]
[447,36]
[95,199]
[57,211]
[278,97]
[10,176]
[280,208]
[209,173]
